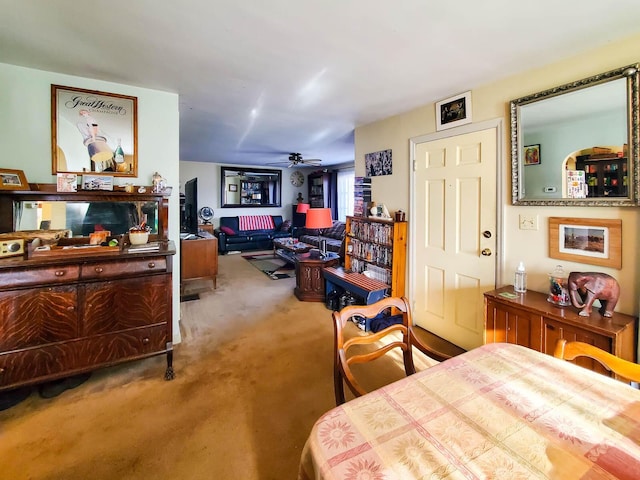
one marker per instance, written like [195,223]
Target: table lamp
[302,208]
[319,218]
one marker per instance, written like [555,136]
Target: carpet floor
[253,374]
[275,268]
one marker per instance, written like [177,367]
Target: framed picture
[595,241]
[97,182]
[13,180]
[378,163]
[532,154]
[453,111]
[233,187]
[93,131]
[67,182]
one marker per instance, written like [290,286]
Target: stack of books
[362,196]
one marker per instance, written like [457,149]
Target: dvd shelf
[378,247]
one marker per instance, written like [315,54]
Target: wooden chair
[623,368]
[342,362]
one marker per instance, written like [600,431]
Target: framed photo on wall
[594,241]
[453,111]
[93,132]
[233,187]
[532,154]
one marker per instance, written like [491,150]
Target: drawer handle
[145,340]
[59,273]
[2,370]
[152,264]
[99,269]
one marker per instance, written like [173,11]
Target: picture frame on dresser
[13,179]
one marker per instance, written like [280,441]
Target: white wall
[25,137]
[491,102]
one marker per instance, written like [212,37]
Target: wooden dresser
[65,314]
[531,321]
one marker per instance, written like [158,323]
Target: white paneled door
[455,234]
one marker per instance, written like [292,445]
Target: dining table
[499,411]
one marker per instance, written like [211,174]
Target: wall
[25,136]
[490,102]
[209,190]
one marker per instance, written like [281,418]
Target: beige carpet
[253,373]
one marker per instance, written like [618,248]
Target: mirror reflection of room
[83,218]
[568,125]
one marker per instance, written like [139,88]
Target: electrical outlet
[528,222]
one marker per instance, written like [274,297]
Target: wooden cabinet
[319,189]
[63,314]
[310,284]
[605,177]
[97,313]
[529,320]
[380,247]
[199,258]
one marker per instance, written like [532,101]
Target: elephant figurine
[586,287]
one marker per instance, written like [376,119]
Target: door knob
[486,252]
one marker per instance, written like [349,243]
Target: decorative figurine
[158,183]
[591,286]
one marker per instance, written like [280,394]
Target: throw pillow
[285,226]
[227,230]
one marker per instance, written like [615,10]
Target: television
[190,222]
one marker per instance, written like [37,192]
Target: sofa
[250,232]
[334,236]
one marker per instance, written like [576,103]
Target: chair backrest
[378,341]
[623,368]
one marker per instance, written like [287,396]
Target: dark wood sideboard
[66,314]
[528,319]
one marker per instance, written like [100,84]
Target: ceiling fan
[296,160]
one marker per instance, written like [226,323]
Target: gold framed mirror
[577,144]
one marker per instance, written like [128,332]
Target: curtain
[345,182]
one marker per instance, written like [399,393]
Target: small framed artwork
[379,163]
[453,111]
[233,187]
[532,154]
[595,241]
[67,182]
[13,180]
[97,182]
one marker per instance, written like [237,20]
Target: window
[346,179]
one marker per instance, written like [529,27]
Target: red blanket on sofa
[255,222]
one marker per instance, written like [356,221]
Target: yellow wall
[491,102]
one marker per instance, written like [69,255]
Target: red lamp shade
[302,208]
[319,218]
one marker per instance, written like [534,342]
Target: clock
[297,179]
[205,214]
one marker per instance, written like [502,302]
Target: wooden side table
[309,278]
[199,258]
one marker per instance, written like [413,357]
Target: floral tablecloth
[500,411]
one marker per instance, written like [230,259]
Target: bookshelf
[319,189]
[378,246]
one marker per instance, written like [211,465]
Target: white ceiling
[258,79]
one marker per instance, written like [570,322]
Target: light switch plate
[528,222]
